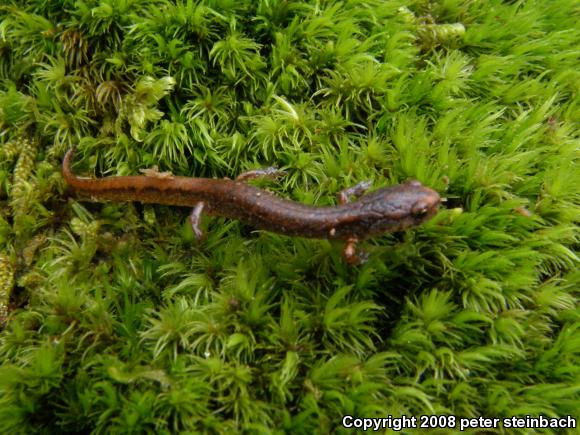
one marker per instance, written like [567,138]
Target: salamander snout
[426,202]
[420,208]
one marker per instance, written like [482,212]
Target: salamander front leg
[195,219]
[271,172]
[350,253]
[355,191]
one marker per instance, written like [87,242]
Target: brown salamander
[385,210]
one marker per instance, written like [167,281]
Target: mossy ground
[115,321]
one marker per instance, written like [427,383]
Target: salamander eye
[420,208]
[414,183]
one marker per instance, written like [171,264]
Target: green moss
[118,321]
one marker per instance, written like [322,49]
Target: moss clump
[119,322]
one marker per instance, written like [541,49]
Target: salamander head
[399,207]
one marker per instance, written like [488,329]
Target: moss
[117,321]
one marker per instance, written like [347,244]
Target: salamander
[388,209]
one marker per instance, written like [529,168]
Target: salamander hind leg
[355,191]
[271,172]
[154,173]
[195,220]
